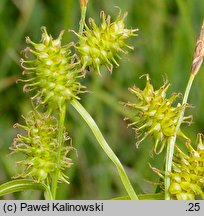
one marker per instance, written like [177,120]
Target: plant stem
[104,145]
[62,114]
[83,15]
[172,140]
[48,193]
[196,64]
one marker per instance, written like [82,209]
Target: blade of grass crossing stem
[104,145]
[22,185]
[156,196]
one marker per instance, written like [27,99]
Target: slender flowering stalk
[196,64]
[60,142]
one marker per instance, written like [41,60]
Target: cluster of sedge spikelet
[155,114]
[53,78]
[40,147]
[53,71]
[187,177]
[100,45]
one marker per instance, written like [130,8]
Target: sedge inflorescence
[53,70]
[100,45]
[39,144]
[155,114]
[187,176]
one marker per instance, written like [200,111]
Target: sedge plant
[54,74]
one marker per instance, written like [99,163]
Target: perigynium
[187,176]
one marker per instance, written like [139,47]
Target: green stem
[196,64]
[172,140]
[104,145]
[48,193]
[82,20]
[62,114]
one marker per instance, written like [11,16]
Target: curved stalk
[196,64]
[104,145]
[23,185]
[172,140]
[62,114]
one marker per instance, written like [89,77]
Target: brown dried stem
[83,3]
[198,53]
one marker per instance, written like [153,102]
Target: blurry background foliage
[164,47]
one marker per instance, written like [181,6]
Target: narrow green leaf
[106,148]
[22,185]
[121,198]
[157,196]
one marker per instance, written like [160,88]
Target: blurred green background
[164,47]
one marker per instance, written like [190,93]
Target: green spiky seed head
[40,147]
[52,70]
[155,114]
[101,45]
[187,176]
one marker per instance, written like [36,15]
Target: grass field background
[163,49]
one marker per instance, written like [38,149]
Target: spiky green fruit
[155,114]
[53,71]
[187,176]
[40,147]
[100,45]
